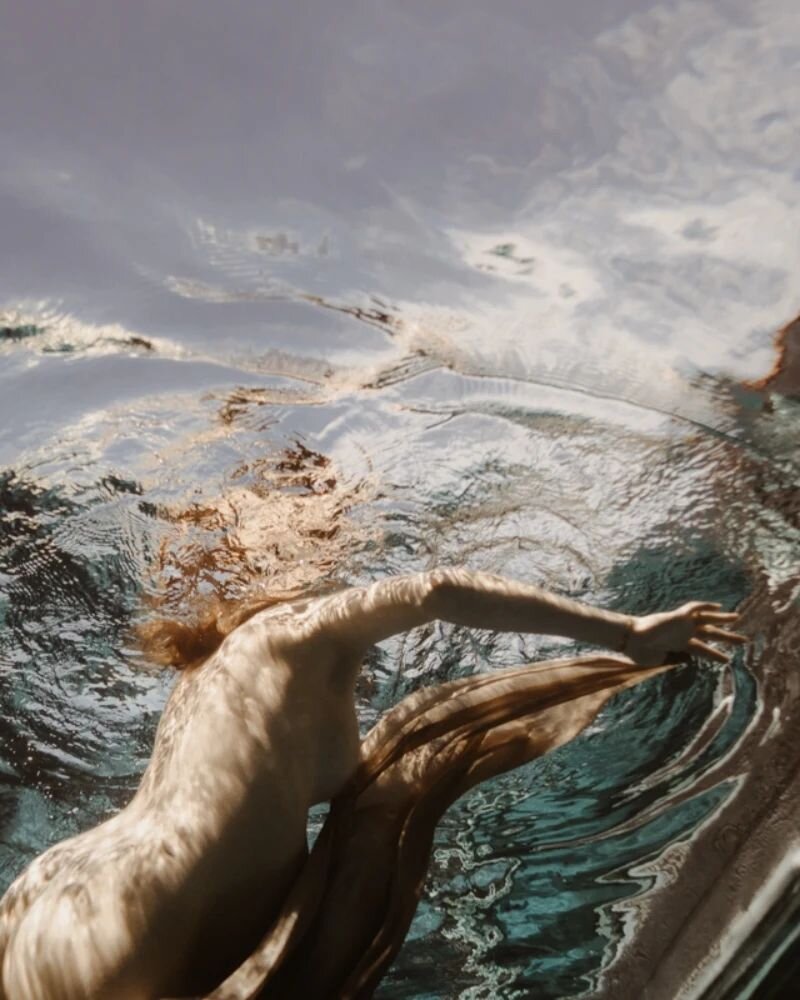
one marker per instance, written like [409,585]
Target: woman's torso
[195,867]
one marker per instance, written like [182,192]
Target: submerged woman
[170,896]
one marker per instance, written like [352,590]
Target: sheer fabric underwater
[349,910]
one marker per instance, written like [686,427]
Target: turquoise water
[333,294]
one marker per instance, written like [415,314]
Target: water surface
[368,288]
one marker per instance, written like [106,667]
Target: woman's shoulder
[306,635]
[299,619]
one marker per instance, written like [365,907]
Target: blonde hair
[281,520]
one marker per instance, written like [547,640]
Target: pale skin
[169,896]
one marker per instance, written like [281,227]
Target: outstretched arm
[365,615]
[483,600]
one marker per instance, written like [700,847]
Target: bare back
[177,888]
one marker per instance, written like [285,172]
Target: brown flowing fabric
[348,913]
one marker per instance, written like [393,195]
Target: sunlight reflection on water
[505,273]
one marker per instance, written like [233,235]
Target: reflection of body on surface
[169,896]
[784,377]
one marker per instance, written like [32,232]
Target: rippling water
[356,289]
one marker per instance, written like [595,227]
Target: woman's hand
[673,636]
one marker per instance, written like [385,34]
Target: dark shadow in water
[22,332]
[767,966]
[63,614]
[654,578]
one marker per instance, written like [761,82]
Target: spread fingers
[712,632]
[698,607]
[717,617]
[704,649]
